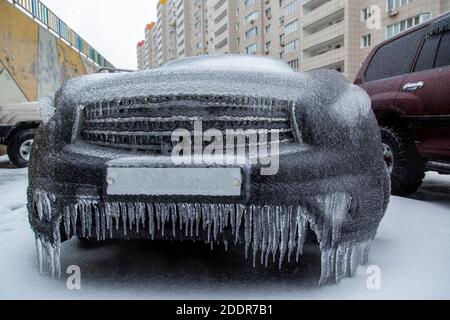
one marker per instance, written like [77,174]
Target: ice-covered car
[102,167]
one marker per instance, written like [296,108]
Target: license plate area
[218,182]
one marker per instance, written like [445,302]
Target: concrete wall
[33,62]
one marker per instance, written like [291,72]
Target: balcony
[329,58]
[324,36]
[323,12]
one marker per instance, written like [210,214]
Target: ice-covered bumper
[270,215]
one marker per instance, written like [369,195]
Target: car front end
[103,166]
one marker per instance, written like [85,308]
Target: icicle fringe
[270,231]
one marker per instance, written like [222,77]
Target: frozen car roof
[248,76]
[230,63]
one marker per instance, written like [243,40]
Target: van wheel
[19,148]
[404,163]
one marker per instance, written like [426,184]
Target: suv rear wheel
[19,148]
[406,167]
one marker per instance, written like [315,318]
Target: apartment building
[224,26]
[306,34]
[270,27]
[150,57]
[200,27]
[140,55]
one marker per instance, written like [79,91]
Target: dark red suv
[408,79]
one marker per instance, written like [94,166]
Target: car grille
[147,124]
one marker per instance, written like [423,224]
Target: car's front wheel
[406,167]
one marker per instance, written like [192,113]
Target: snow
[411,250]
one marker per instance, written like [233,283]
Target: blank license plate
[174,181]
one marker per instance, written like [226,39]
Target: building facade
[150,55]
[140,52]
[306,34]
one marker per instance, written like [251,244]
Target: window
[249,3]
[252,17]
[399,27]
[366,41]
[393,4]
[365,14]
[294,64]
[268,45]
[291,46]
[443,54]
[428,54]
[252,49]
[395,58]
[251,33]
[291,8]
[291,27]
[268,28]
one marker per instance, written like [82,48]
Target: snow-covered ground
[412,251]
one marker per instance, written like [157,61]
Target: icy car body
[331,178]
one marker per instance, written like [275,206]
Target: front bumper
[67,197]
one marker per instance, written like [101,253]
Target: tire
[19,148]
[407,169]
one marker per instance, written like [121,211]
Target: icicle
[233,220]
[248,220]
[67,225]
[151,220]
[163,218]
[302,229]
[83,219]
[103,222]
[192,216]
[343,261]
[131,211]
[40,254]
[328,266]
[97,221]
[124,216]
[174,211]
[276,233]
[270,228]
[240,210]
[256,232]
[265,232]
[140,216]
[284,233]
[215,220]
[335,208]
[49,255]
[88,212]
[198,214]
[158,216]
[74,218]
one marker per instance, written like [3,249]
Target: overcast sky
[112,27]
